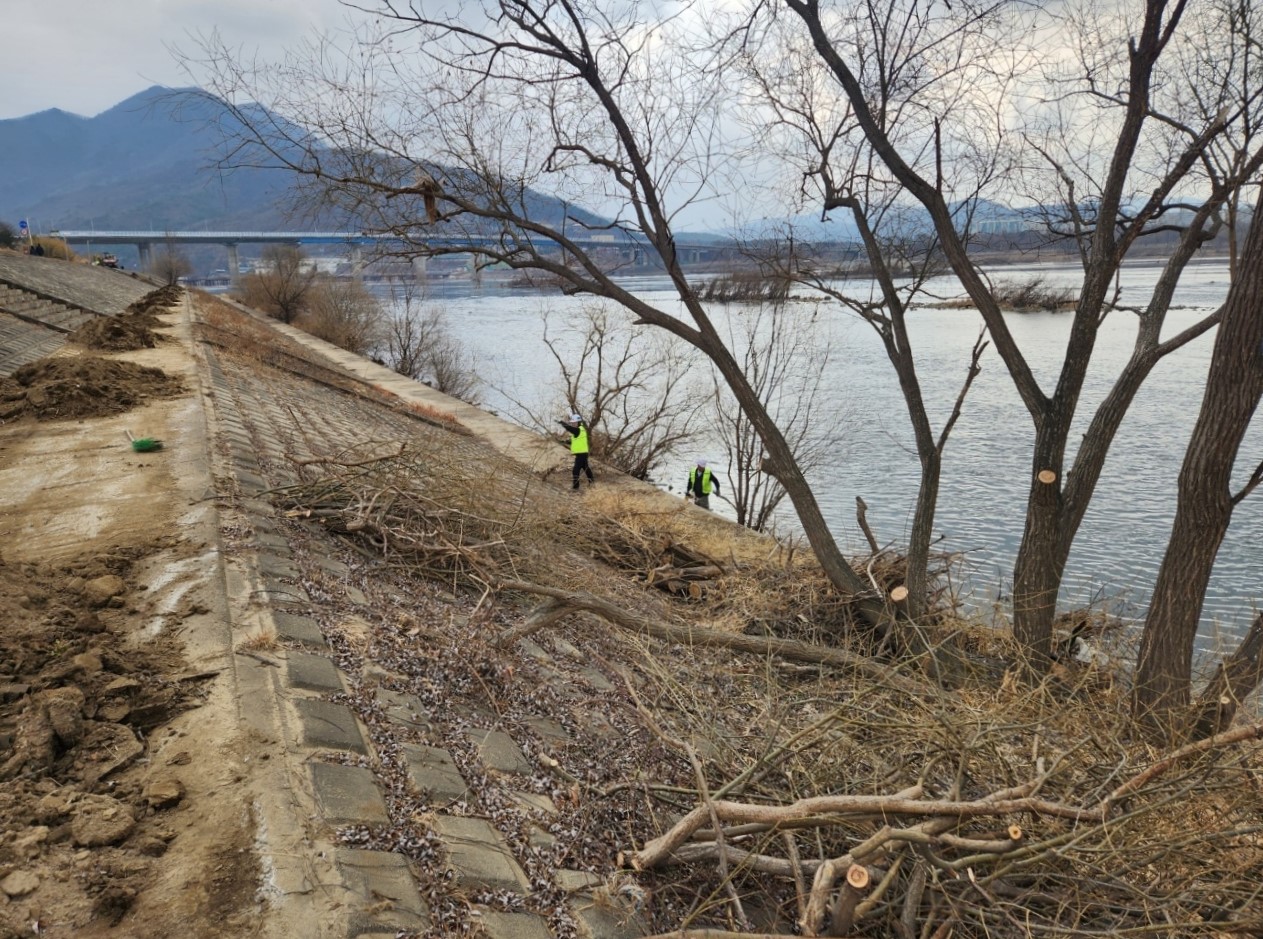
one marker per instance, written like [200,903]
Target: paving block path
[407,813]
[266,431]
[42,300]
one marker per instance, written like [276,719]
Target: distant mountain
[143,164]
[909,219]
[148,164]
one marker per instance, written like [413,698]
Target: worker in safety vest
[580,447]
[701,482]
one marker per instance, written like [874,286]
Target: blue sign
[22,225]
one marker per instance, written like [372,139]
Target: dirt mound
[156,301]
[134,329]
[116,334]
[87,386]
[85,808]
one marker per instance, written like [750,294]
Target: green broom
[144,444]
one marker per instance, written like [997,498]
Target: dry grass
[221,324]
[1115,837]
[745,286]
[261,640]
[1174,855]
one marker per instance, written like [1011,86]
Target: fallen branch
[854,887]
[699,636]
[654,852]
[1248,732]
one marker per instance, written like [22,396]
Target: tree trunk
[1234,385]
[1235,678]
[1041,557]
[918,560]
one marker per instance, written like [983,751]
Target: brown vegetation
[420,342]
[53,248]
[225,325]
[993,810]
[344,313]
[1031,296]
[281,287]
[745,286]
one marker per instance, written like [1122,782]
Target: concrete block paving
[422,770]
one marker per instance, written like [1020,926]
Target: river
[987,461]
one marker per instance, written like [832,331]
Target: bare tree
[799,113]
[785,356]
[582,102]
[420,343]
[281,286]
[1115,167]
[343,312]
[632,388]
[606,105]
[1219,70]
[1203,513]
[170,264]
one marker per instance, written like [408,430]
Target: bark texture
[1233,388]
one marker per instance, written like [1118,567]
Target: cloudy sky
[85,56]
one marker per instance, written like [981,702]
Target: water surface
[987,462]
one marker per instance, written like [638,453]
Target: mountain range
[146,163]
[149,163]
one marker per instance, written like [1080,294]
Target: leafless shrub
[170,264]
[632,385]
[1033,295]
[344,313]
[784,358]
[745,286]
[420,343]
[280,287]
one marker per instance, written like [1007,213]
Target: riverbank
[351,661]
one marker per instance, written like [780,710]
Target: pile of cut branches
[660,561]
[815,790]
[394,510]
[988,812]
[753,582]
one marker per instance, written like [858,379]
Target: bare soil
[86,386]
[131,331]
[117,333]
[86,820]
[120,755]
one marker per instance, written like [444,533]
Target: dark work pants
[581,466]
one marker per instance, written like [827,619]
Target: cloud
[85,56]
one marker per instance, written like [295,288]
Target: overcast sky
[84,56]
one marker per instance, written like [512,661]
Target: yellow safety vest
[579,441]
[705,480]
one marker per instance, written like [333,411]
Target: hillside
[145,163]
[148,163]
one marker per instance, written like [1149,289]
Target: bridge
[144,241]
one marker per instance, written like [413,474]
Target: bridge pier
[420,264]
[234,263]
[357,262]
[145,250]
[475,272]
